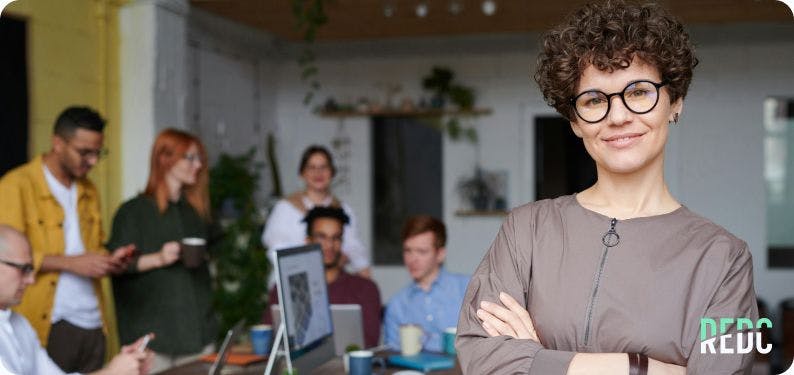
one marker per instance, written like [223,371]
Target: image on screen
[304,296]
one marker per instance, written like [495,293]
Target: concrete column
[153,48]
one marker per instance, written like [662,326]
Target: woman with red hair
[158,293]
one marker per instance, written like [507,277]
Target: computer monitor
[306,312]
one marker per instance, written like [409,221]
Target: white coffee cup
[410,339]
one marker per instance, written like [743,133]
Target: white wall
[720,140]
[231,70]
[715,157]
[153,81]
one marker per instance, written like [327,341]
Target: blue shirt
[434,310]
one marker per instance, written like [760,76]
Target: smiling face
[625,142]
[186,170]
[318,173]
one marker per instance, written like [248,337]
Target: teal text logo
[743,341]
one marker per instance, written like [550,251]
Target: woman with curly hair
[614,279]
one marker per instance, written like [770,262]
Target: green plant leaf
[308,72]
[462,96]
[453,128]
[471,135]
[239,258]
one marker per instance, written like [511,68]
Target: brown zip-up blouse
[645,294]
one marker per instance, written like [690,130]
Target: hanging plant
[309,16]
[441,82]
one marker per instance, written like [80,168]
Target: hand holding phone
[142,346]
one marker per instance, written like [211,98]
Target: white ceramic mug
[410,339]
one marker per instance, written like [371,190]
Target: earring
[675,118]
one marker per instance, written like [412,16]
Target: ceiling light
[455,7]
[421,10]
[389,9]
[489,7]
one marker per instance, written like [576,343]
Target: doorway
[13,94]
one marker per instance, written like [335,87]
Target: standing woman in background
[157,293]
[285,226]
[614,279]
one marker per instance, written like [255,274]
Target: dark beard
[334,263]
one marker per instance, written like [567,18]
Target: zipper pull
[611,237]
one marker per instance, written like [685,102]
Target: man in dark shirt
[325,226]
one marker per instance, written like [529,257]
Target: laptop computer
[347,322]
[231,337]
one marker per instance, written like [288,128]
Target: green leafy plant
[462,96]
[240,261]
[309,16]
[352,348]
[441,82]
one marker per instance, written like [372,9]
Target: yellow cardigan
[27,205]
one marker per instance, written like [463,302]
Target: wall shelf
[474,112]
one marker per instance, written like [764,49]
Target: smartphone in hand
[142,347]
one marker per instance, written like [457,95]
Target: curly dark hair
[320,212]
[608,35]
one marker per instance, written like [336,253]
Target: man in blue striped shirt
[433,299]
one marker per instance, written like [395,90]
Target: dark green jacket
[173,302]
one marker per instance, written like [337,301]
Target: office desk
[332,367]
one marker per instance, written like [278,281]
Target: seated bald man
[20,350]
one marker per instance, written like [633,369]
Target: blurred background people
[157,292]
[285,226]
[433,299]
[51,200]
[20,349]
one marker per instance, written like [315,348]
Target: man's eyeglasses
[26,268]
[324,238]
[86,153]
[639,97]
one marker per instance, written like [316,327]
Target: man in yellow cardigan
[53,203]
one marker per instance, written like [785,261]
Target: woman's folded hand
[507,319]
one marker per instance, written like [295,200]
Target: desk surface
[332,367]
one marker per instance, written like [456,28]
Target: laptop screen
[304,295]
[347,321]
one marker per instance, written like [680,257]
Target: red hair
[169,148]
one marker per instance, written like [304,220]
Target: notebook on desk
[423,361]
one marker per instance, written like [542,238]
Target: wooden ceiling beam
[364,19]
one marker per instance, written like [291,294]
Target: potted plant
[476,191]
[240,262]
[439,82]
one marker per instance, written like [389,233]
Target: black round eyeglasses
[639,97]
